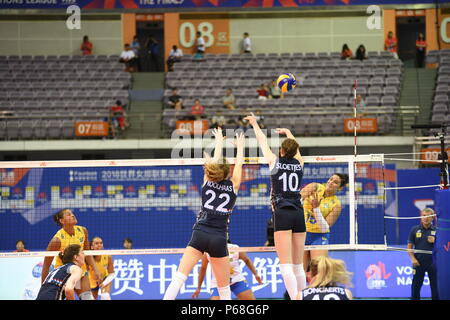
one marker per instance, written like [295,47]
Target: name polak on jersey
[309,291]
[219,186]
[290,167]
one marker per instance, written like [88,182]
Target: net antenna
[443,155]
[352,190]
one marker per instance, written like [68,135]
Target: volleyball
[286,82]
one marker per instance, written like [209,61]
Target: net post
[352,202]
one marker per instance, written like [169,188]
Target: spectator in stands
[175,100]
[197,110]
[421,49]
[229,101]
[20,246]
[360,103]
[127,243]
[118,118]
[175,55]
[361,53]
[153,50]
[246,44]
[86,47]
[199,46]
[275,91]
[136,46]
[263,92]
[346,52]
[218,120]
[128,57]
[242,123]
[390,44]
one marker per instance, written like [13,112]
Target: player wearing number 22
[209,234]
[286,173]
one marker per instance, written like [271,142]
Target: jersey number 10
[291,182]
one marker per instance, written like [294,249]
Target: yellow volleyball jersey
[102,266]
[326,206]
[66,240]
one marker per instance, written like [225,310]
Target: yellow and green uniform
[79,237]
[327,204]
[102,266]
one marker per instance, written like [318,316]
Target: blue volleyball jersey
[325,293]
[218,199]
[53,286]
[286,180]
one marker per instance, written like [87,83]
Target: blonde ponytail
[327,271]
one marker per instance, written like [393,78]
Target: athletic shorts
[317,239]
[215,245]
[289,219]
[236,288]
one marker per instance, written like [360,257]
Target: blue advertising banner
[380,274]
[175,4]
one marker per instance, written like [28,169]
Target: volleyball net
[155,202]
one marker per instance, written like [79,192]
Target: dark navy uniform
[53,286]
[286,180]
[325,293]
[419,238]
[211,227]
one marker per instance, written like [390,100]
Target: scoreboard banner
[183,4]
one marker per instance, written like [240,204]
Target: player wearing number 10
[286,172]
[210,230]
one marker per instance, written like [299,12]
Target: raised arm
[237,172]
[309,190]
[289,135]
[219,144]
[262,139]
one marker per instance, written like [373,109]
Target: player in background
[106,267]
[70,233]
[60,283]
[322,209]
[238,283]
[329,281]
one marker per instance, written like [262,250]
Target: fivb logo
[376,276]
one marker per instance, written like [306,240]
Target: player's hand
[258,278]
[217,133]
[239,142]
[284,131]
[251,119]
[415,262]
[196,293]
[314,200]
